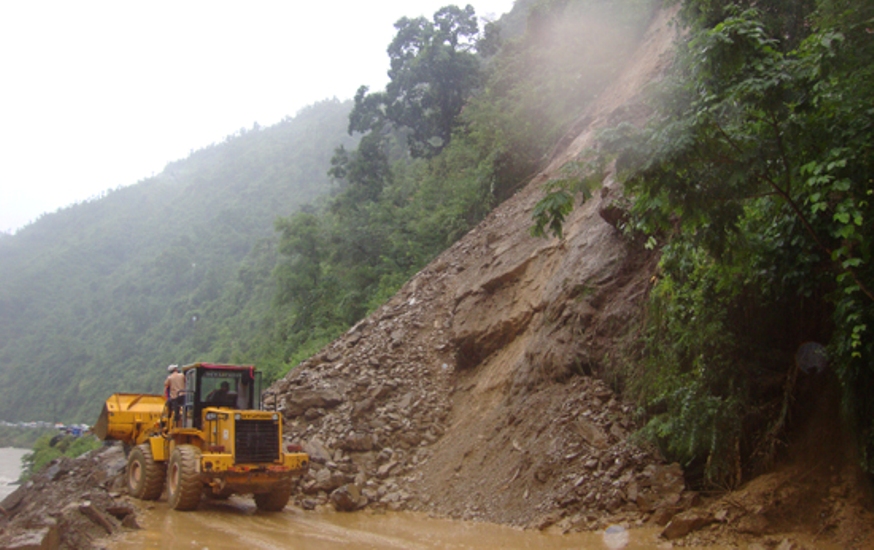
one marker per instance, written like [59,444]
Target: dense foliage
[756,180]
[52,446]
[433,71]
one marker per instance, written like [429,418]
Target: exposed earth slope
[480,390]
[476,375]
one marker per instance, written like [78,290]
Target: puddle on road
[236,524]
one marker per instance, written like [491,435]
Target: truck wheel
[276,499]
[145,477]
[183,478]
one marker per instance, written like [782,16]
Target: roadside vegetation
[755,180]
[54,445]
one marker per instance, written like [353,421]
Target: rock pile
[72,504]
[477,391]
[366,411]
[369,422]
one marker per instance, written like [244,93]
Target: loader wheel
[184,487]
[145,477]
[275,500]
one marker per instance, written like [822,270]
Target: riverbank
[10,469]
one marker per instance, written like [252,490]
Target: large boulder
[686,522]
[348,498]
[298,402]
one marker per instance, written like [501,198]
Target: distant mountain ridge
[89,292]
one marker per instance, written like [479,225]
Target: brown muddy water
[236,524]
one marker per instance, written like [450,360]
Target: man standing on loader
[174,389]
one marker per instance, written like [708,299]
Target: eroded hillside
[478,390]
[481,391]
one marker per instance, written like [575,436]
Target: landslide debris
[484,389]
[479,391]
[74,503]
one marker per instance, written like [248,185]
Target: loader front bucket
[129,417]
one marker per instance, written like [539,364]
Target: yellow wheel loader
[216,442]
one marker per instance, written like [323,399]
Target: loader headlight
[275,417]
[238,416]
[211,416]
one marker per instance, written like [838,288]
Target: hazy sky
[97,95]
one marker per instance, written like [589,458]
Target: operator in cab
[221,395]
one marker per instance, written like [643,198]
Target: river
[10,469]
[236,524]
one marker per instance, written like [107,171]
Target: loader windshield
[234,389]
[225,386]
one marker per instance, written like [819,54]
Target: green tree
[434,69]
[52,446]
[756,178]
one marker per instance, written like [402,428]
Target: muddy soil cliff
[477,390]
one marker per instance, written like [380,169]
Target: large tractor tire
[145,477]
[276,499]
[184,487]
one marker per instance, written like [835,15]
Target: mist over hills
[214,260]
[100,296]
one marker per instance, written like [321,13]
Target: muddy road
[236,524]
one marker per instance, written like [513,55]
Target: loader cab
[208,385]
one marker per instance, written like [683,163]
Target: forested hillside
[101,296]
